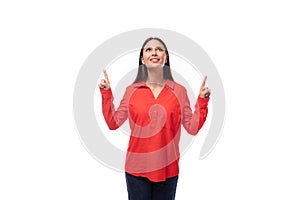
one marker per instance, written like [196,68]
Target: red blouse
[155,124]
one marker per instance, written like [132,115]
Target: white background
[255,46]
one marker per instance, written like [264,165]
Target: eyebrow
[154,47]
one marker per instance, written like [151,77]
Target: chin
[153,66]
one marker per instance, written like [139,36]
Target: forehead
[154,43]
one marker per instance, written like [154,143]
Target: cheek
[145,58]
[165,58]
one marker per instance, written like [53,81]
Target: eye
[148,50]
[160,49]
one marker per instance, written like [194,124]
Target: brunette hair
[142,74]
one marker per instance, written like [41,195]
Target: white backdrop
[255,46]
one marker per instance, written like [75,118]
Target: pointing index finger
[105,75]
[204,81]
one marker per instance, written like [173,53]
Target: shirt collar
[170,84]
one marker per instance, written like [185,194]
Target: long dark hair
[142,74]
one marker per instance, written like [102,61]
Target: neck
[156,76]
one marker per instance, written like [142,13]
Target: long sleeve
[192,122]
[114,118]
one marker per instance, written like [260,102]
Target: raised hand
[204,91]
[104,84]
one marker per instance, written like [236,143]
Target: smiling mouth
[155,60]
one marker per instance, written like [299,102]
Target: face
[154,54]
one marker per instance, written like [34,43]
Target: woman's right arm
[114,118]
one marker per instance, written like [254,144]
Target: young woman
[155,106]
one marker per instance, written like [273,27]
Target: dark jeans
[140,188]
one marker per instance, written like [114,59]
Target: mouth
[155,60]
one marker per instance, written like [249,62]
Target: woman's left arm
[193,122]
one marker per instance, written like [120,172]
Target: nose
[154,52]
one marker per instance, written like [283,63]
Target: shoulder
[133,87]
[175,86]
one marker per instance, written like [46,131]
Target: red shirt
[155,124]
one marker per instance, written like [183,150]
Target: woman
[156,106]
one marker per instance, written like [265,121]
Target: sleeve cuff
[203,102]
[106,94]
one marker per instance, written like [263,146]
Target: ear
[143,60]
